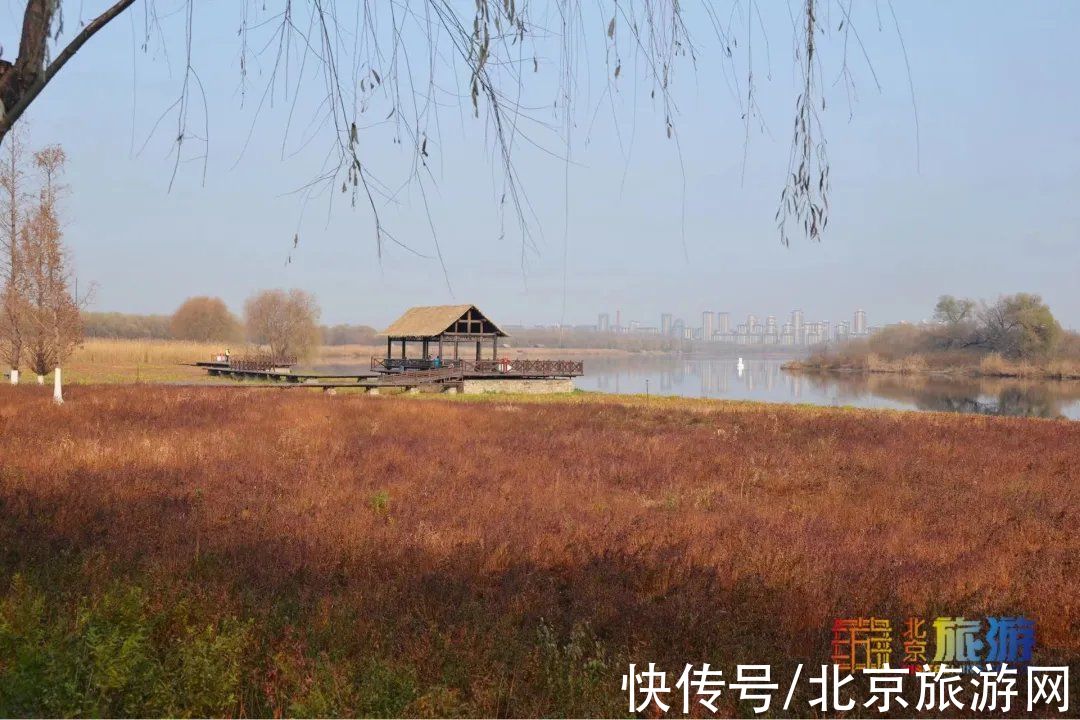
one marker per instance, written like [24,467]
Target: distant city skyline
[716,326]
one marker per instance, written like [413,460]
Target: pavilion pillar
[402,348]
[440,348]
[455,349]
[425,348]
[389,350]
[495,347]
[477,349]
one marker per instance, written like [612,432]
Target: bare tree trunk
[54,323]
[14,376]
[22,81]
[11,284]
[18,77]
[58,393]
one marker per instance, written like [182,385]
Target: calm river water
[764,380]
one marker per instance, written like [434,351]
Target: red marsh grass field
[205,551]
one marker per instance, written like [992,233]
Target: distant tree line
[126,326]
[350,335]
[284,322]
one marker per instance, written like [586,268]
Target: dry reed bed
[100,351]
[955,363]
[444,536]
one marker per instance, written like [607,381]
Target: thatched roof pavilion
[443,326]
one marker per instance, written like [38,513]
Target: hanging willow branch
[405,55]
[805,197]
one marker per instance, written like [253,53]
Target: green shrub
[206,669]
[113,654]
[93,658]
[386,689]
[577,674]
[380,502]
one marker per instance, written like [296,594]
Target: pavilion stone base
[508,385]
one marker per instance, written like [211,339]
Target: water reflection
[763,379]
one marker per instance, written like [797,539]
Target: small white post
[40,379]
[57,394]
[14,376]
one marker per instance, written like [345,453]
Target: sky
[957,177]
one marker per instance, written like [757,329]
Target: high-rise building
[797,326]
[858,327]
[618,321]
[665,323]
[603,323]
[708,325]
[770,324]
[723,323]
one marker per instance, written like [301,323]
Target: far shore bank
[330,354]
[989,366]
[347,354]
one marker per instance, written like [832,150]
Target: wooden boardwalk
[436,379]
[445,377]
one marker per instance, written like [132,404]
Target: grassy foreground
[209,551]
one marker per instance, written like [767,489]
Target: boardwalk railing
[539,368]
[505,366]
[379,364]
[260,362]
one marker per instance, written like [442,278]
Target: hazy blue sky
[989,205]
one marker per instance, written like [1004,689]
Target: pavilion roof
[433,320]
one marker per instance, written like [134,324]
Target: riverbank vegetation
[209,551]
[1015,336]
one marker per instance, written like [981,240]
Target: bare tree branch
[367,58]
[21,84]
